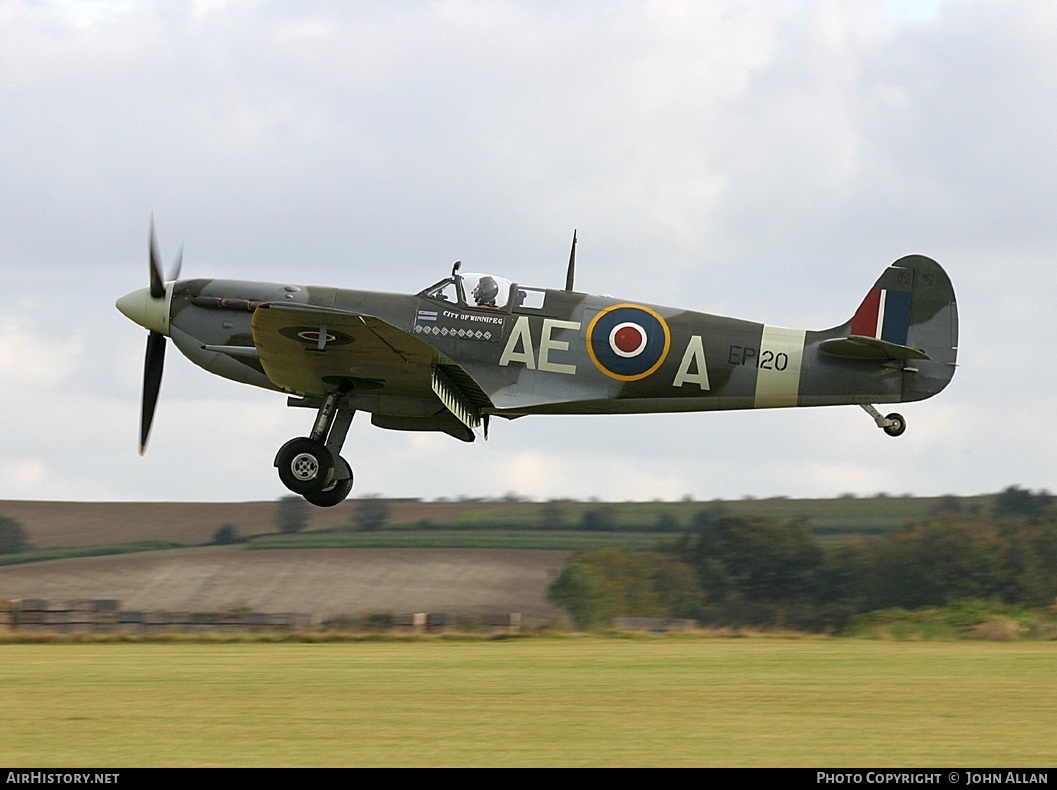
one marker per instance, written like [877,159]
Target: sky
[764,160]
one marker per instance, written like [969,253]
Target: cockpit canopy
[484,291]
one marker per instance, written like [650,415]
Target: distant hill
[52,524]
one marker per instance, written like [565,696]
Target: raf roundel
[628,342]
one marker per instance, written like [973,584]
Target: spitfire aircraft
[473,346]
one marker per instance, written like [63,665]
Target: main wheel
[305,466]
[332,495]
[896,424]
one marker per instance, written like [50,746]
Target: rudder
[932,327]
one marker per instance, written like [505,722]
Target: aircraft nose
[149,312]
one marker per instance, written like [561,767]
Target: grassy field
[844,514]
[585,701]
[634,524]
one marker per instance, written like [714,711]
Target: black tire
[897,424]
[305,466]
[333,494]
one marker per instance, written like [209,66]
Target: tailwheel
[305,466]
[896,424]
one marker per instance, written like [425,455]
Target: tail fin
[910,314]
[885,312]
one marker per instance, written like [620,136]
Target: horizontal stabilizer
[860,347]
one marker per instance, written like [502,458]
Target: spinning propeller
[149,307]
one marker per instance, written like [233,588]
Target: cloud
[24,476]
[31,359]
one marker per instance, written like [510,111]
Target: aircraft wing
[311,350]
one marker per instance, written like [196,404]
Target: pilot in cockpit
[486,291]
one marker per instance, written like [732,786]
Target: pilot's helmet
[486,291]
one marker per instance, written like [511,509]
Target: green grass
[574,701]
[968,619]
[520,525]
[843,514]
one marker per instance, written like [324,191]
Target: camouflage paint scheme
[438,361]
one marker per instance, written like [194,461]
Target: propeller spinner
[149,307]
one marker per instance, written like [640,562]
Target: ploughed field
[322,582]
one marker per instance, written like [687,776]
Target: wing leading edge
[405,382]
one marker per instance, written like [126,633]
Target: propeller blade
[157,282]
[152,368]
[176,266]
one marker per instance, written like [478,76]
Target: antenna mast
[572,265]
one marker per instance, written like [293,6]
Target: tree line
[760,571]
